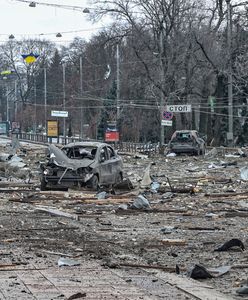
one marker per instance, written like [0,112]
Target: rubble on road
[169,216]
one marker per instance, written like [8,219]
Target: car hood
[59,158]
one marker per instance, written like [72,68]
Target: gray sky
[22,21]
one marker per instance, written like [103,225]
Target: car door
[115,164]
[105,166]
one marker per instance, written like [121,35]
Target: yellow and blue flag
[30,58]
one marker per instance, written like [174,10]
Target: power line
[133,107]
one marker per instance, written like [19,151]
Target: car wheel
[43,184]
[94,183]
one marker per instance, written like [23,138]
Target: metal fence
[120,146]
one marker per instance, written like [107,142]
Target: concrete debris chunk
[244,173]
[212,153]
[102,195]
[172,154]
[146,180]
[154,187]
[141,156]
[168,229]
[123,207]
[168,195]
[5,157]
[64,261]
[17,162]
[140,203]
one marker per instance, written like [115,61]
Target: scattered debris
[212,153]
[125,184]
[168,229]
[197,207]
[242,290]
[102,195]
[154,187]
[173,242]
[168,195]
[77,296]
[56,212]
[244,173]
[67,262]
[141,203]
[171,154]
[146,180]
[230,244]
[123,207]
[200,272]
[5,157]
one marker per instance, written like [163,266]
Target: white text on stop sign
[179,108]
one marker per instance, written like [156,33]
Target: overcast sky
[22,21]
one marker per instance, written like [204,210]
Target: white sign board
[166,122]
[179,108]
[59,113]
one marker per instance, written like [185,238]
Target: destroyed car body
[187,141]
[89,164]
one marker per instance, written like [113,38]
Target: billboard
[52,128]
[112,136]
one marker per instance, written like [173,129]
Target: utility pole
[81,94]
[230,76]
[35,109]
[45,98]
[16,99]
[64,129]
[161,53]
[7,103]
[117,83]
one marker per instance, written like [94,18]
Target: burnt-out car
[89,164]
[187,141]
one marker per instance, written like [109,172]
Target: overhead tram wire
[137,102]
[149,108]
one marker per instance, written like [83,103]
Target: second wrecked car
[187,141]
[89,164]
